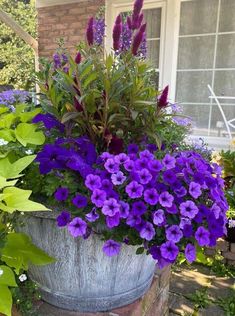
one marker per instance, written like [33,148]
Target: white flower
[29,152]
[231,223]
[3,142]
[1,272]
[23,277]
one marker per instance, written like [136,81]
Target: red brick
[66,21]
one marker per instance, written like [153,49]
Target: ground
[196,290]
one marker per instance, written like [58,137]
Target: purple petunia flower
[174,233]
[155,165]
[134,190]
[169,177]
[92,216]
[147,232]
[118,178]
[195,190]
[146,154]
[138,208]
[133,220]
[77,227]
[49,121]
[113,221]
[166,199]
[141,163]
[188,230]
[190,253]
[202,236]
[129,165]
[111,166]
[106,155]
[172,210]
[98,197]
[61,194]
[111,248]
[121,158]
[151,196]
[124,209]
[169,250]
[79,201]
[132,149]
[93,182]
[110,207]
[159,217]
[180,192]
[188,209]
[169,161]
[144,176]
[63,219]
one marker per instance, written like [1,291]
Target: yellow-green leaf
[5,300]
[7,276]
[27,134]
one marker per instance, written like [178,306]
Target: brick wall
[227,251]
[66,21]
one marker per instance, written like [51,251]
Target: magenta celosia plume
[163,99]
[117,32]
[90,32]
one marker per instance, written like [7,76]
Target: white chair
[228,123]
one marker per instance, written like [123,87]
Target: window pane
[225,83]
[199,113]
[192,86]
[226,51]
[153,19]
[196,52]
[227,16]
[153,52]
[198,17]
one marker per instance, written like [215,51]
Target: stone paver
[186,280]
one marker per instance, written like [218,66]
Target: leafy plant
[227,304]
[199,298]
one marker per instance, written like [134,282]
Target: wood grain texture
[83,277]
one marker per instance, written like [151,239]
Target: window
[191,43]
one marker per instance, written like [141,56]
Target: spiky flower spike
[138,5]
[163,99]
[90,32]
[78,58]
[117,32]
[138,39]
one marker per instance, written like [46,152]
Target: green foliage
[199,298]
[24,296]
[16,57]
[227,304]
[109,97]
[19,251]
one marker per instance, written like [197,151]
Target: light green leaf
[5,300]
[12,170]
[7,276]
[18,200]
[19,252]
[27,134]
[28,116]
[7,134]
[5,183]
[7,120]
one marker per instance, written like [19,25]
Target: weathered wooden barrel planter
[83,278]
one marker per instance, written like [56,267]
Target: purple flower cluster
[172,204]
[11,97]
[75,154]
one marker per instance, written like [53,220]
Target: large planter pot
[83,277]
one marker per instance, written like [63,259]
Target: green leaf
[18,200]
[19,251]
[12,170]
[140,250]
[7,120]
[7,276]
[27,134]
[92,77]
[7,134]
[5,183]
[28,116]
[5,300]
